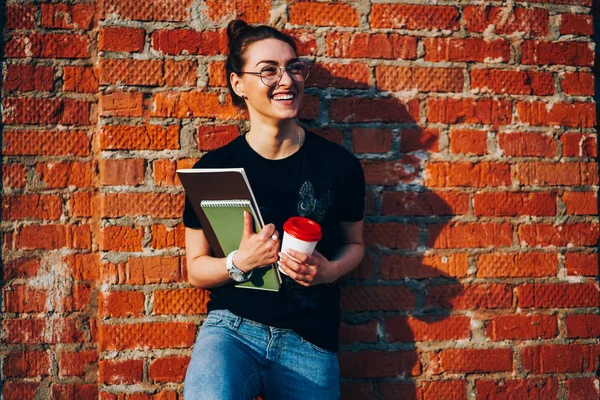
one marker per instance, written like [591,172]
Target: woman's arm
[316,269]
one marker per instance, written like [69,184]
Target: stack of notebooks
[219,198]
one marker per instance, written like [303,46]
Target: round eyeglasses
[271,75]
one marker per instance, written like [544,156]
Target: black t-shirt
[321,181]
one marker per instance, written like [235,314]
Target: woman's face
[279,102]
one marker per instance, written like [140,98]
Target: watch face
[237,276]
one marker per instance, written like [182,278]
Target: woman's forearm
[348,258]
[207,271]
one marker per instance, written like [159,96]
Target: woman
[280,345]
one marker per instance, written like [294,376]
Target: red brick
[82,204]
[253,12]
[558,295]
[309,108]
[432,390]
[181,73]
[84,267]
[121,372]
[582,388]
[168,369]
[217,77]
[164,237]
[45,111]
[416,139]
[13,176]
[42,330]
[457,174]
[377,298]
[68,16]
[158,205]
[194,104]
[424,203]
[427,329]
[366,45]
[153,270]
[113,38]
[576,24]
[521,327]
[31,206]
[414,17]
[13,390]
[340,76]
[470,235]
[121,104]
[24,299]
[564,173]
[211,137]
[331,134]
[365,332]
[78,362]
[20,16]
[528,21]
[78,300]
[187,41]
[371,140]
[74,391]
[22,268]
[583,326]
[322,14]
[546,388]
[132,72]
[475,360]
[147,10]
[191,301]
[469,297]
[121,304]
[578,145]
[121,238]
[469,49]
[305,40]
[379,364]
[536,52]
[80,79]
[53,237]
[554,358]
[539,113]
[391,235]
[587,3]
[510,204]
[469,111]
[26,364]
[399,267]
[530,144]
[512,265]
[582,264]
[357,391]
[128,172]
[165,171]
[568,234]
[350,110]
[512,82]
[423,79]
[45,143]
[578,83]
[26,78]
[581,203]
[139,137]
[48,45]
[66,174]
[468,141]
[144,336]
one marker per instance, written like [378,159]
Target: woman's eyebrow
[275,62]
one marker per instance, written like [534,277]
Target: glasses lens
[299,71]
[270,75]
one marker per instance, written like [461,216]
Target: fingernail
[280,254]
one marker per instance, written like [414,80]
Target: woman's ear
[237,85]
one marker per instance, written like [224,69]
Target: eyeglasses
[271,75]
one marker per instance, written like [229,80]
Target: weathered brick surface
[475,125]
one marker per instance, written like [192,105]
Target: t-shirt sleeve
[190,220]
[352,193]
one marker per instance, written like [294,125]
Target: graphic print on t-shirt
[310,206]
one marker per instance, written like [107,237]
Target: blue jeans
[236,358]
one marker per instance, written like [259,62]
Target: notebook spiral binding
[225,203]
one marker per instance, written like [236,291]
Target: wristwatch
[234,272]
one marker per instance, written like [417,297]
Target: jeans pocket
[319,349]
[213,320]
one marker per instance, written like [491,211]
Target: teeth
[283,96]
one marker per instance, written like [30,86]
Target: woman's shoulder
[332,151]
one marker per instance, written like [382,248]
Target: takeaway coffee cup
[300,234]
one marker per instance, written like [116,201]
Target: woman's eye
[269,71]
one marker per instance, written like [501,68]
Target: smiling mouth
[282,97]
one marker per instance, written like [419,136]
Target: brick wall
[476,127]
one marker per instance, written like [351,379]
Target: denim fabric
[236,358]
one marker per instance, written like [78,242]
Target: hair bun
[235,27]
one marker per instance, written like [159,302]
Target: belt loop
[237,322]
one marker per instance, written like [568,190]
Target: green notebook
[226,218]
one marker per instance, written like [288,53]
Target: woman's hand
[307,270]
[256,249]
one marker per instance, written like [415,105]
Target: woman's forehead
[269,50]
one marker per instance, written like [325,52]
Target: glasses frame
[281,69]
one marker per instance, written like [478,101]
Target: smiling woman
[280,345]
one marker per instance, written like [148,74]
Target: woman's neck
[275,142]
